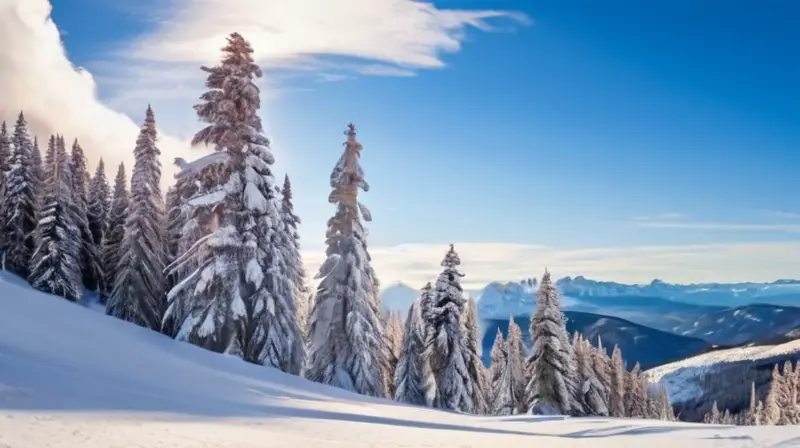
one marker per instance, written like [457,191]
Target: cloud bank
[486,262]
[37,77]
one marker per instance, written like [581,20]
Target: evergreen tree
[635,394]
[393,335]
[616,399]
[38,168]
[408,381]
[591,388]
[713,417]
[515,354]
[137,294]
[553,388]
[112,242]
[601,366]
[5,153]
[99,208]
[19,204]
[294,260]
[56,267]
[449,374]
[90,261]
[502,379]
[772,410]
[472,353]
[344,327]
[753,417]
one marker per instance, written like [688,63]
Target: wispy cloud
[660,216]
[779,214]
[724,226]
[485,262]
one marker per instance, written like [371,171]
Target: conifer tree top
[451,258]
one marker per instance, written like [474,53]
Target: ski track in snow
[73,377]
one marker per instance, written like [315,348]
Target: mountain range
[677,320]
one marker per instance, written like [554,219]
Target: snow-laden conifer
[18,217]
[753,417]
[38,175]
[293,259]
[99,207]
[635,395]
[553,389]
[502,380]
[772,412]
[345,333]
[56,267]
[137,294]
[472,353]
[616,399]
[393,344]
[515,354]
[449,374]
[112,243]
[408,380]
[5,153]
[591,388]
[91,267]
[601,366]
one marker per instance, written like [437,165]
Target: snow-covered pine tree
[753,417]
[772,410]
[112,242]
[393,335]
[5,152]
[56,266]
[99,208]
[601,365]
[90,261]
[591,388]
[472,353]
[713,417]
[137,294]
[636,394]
[345,333]
[552,388]
[502,379]
[19,204]
[408,380]
[293,259]
[515,355]
[616,398]
[444,344]
[38,175]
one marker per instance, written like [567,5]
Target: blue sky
[597,124]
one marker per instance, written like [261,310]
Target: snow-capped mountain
[725,376]
[398,297]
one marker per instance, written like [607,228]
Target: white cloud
[780,214]
[485,262]
[36,76]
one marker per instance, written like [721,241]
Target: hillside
[71,377]
[646,345]
[722,375]
[735,326]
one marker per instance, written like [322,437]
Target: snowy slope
[72,377]
[723,375]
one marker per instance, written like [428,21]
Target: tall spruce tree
[90,259]
[616,399]
[516,363]
[112,243]
[393,344]
[472,353]
[38,168]
[239,298]
[502,379]
[56,266]
[409,386]
[293,258]
[19,204]
[591,389]
[5,153]
[99,208]
[444,347]
[346,337]
[137,294]
[553,389]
